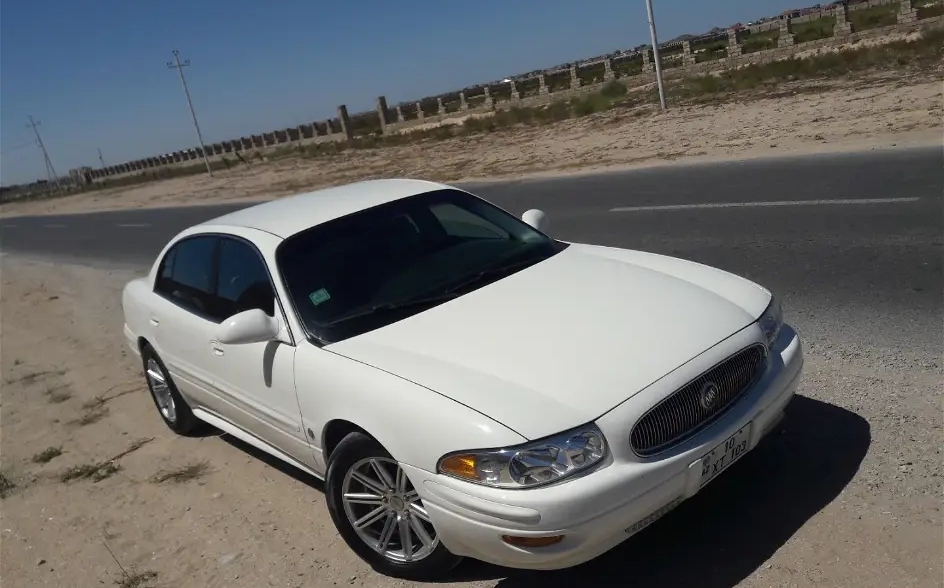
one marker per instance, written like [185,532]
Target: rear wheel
[170,404]
[380,515]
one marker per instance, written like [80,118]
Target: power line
[50,170]
[180,70]
[655,53]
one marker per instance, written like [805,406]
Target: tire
[179,418]
[359,452]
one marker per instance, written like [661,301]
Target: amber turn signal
[462,466]
[532,541]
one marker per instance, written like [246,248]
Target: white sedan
[466,385]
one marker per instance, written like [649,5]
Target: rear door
[181,315]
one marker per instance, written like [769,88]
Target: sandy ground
[865,514]
[882,111]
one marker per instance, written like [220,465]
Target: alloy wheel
[386,512]
[161,391]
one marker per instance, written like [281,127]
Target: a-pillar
[514,90]
[843,26]
[608,69]
[734,45]
[574,78]
[786,38]
[542,85]
[463,104]
[647,65]
[382,113]
[346,129]
[907,13]
[688,58]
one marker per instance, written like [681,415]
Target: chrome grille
[690,409]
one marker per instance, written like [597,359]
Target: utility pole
[655,53]
[100,158]
[180,69]
[50,171]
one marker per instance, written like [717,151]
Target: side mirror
[250,326]
[536,218]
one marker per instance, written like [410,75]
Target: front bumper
[602,508]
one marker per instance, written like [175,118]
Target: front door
[257,378]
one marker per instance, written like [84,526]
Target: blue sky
[94,73]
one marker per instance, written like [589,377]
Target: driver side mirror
[536,218]
[250,326]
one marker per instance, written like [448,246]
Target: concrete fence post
[542,84]
[574,79]
[907,14]
[463,104]
[786,38]
[346,129]
[382,113]
[400,117]
[734,45]
[688,58]
[647,65]
[420,115]
[489,102]
[514,91]
[608,70]
[843,26]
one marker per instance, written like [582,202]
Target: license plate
[725,454]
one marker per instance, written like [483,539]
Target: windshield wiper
[490,272]
[443,295]
[392,306]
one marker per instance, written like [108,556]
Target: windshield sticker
[319,296]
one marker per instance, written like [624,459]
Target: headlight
[771,321]
[533,464]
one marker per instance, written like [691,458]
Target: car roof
[287,216]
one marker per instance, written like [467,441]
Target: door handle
[216,347]
[155,321]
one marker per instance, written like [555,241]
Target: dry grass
[47,455]
[91,416]
[6,486]
[103,469]
[183,474]
[136,579]
[91,471]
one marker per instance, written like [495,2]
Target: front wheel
[380,515]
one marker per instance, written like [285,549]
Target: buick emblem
[709,395]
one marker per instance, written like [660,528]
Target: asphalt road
[851,239]
[848,494]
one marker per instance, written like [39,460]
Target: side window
[243,282]
[459,222]
[186,274]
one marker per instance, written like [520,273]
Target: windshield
[381,265]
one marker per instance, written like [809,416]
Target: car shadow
[273,462]
[735,524]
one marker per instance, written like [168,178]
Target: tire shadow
[735,524]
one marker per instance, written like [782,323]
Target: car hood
[564,341]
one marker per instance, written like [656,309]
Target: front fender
[415,424]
